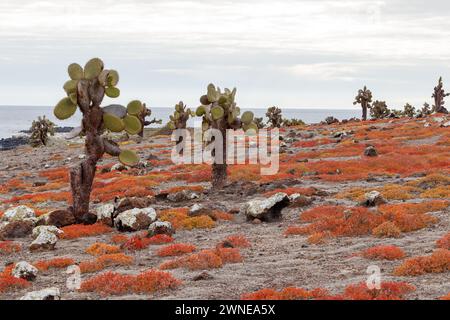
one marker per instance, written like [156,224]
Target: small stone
[135,219]
[373,198]
[199,210]
[160,227]
[82,156]
[39,183]
[124,204]
[298,200]
[58,218]
[105,213]
[203,276]
[24,270]
[446,124]
[256,221]
[44,241]
[52,229]
[119,167]
[45,294]
[266,209]
[16,229]
[18,213]
[184,195]
[370,151]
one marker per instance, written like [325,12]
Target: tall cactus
[85,91]
[379,110]
[364,98]
[409,110]
[275,117]
[146,112]
[439,95]
[40,130]
[220,111]
[180,116]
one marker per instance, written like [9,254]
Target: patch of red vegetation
[289,191]
[180,219]
[383,253]
[81,230]
[140,242]
[234,241]
[119,239]
[446,297]
[181,188]
[8,247]
[112,283]
[290,293]
[8,283]
[444,242]
[55,263]
[98,249]
[388,291]
[104,261]
[437,262]
[176,249]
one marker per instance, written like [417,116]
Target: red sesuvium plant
[437,262]
[234,241]
[55,263]
[358,291]
[9,282]
[8,247]
[444,242]
[112,283]
[383,253]
[80,230]
[85,91]
[140,242]
[176,249]
[98,249]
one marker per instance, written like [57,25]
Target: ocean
[17,118]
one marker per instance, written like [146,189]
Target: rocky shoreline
[23,139]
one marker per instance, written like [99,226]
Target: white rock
[160,227]
[135,219]
[24,270]
[19,213]
[373,198]
[446,124]
[52,229]
[82,156]
[119,167]
[45,240]
[45,294]
[104,211]
[266,209]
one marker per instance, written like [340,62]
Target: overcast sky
[286,53]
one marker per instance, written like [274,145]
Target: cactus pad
[75,71]
[64,109]
[247,117]
[112,92]
[128,158]
[113,123]
[93,68]
[132,124]
[135,107]
[217,112]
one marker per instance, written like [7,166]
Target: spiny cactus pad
[132,124]
[135,107]
[129,158]
[65,109]
[113,123]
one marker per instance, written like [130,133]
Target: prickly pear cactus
[439,95]
[259,122]
[275,117]
[40,130]
[292,122]
[426,110]
[85,91]
[409,110]
[364,98]
[219,111]
[180,116]
[379,110]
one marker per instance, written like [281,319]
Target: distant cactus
[220,111]
[40,130]
[426,110]
[146,112]
[409,110]
[85,91]
[439,95]
[292,122]
[364,98]
[379,110]
[180,116]
[259,122]
[275,117]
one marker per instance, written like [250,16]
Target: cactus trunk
[364,112]
[219,170]
[82,175]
